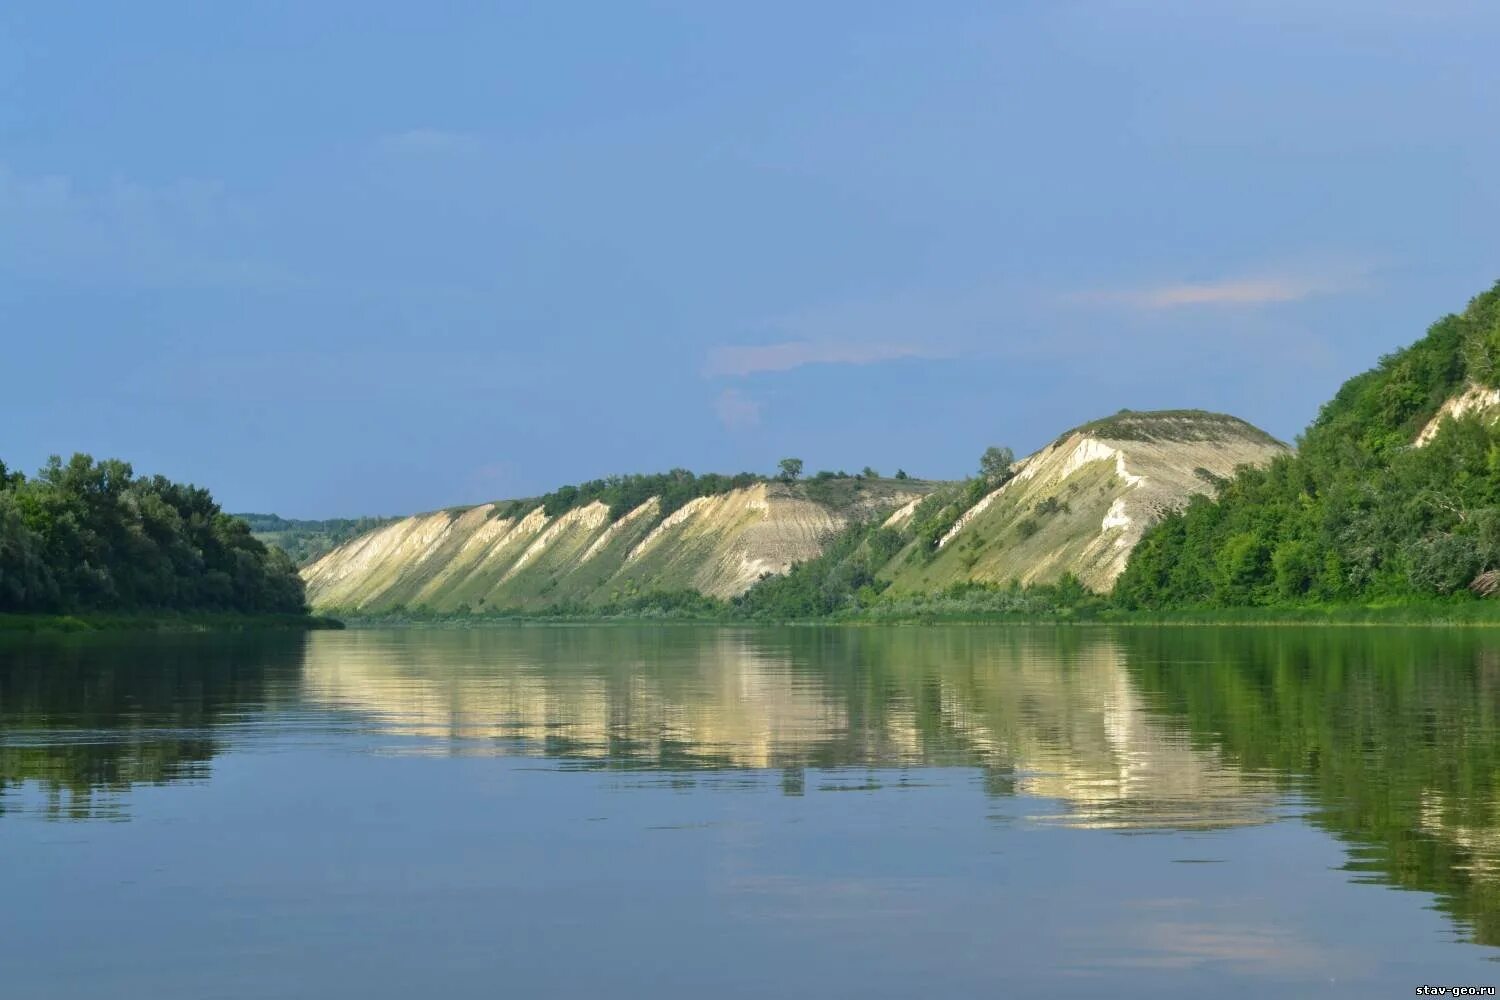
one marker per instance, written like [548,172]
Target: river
[682,811]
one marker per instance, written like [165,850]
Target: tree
[1357,514]
[901,474]
[995,463]
[93,536]
[790,468]
[870,473]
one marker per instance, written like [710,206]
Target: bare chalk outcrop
[1081,504]
[718,545]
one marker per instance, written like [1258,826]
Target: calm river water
[674,811]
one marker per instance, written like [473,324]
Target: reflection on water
[1393,735]
[84,719]
[1048,716]
[1387,739]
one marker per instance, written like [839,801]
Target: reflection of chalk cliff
[725,706]
[1056,725]
[1480,844]
[1078,732]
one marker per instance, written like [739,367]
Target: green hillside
[1364,511]
[1021,538]
[1066,516]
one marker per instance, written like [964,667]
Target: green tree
[93,536]
[1358,514]
[790,469]
[995,464]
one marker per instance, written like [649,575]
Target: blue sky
[345,258]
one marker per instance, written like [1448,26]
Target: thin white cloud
[748,360]
[1240,292]
[918,323]
[736,410]
[1235,291]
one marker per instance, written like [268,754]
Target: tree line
[622,494]
[306,540]
[86,535]
[1361,513]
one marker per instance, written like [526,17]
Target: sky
[372,257]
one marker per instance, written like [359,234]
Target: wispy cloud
[1236,291]
[736,410]
[1242,292]
[748,360]
[917,323]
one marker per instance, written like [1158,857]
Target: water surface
[681,812]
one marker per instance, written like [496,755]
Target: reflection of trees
[1392,735]
[1048,713]
[86,718]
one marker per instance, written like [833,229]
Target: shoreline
[159,621]
[1469,615]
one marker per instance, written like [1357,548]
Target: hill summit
[1080,505]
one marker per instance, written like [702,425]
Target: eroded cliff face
[717,545]
[1474,400]
[1077,506]
[1082,503]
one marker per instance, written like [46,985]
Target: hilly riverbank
[1389,511]
[1065,517]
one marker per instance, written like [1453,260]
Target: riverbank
[162,621]
[1435,613]
[1469,613]
[1465,613]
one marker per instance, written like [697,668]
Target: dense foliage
[844,582]
[622,494]
[1359,513]
[306,540]
[844,579]
[940,510]
[839,490]
[840,579]
[92,536]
